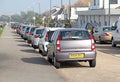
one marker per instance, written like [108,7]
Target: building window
[105,23]
[99,23]
[94,2]
[113,1]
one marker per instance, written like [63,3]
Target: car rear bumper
[65,56]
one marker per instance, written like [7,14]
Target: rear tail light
[35,36]
[46,37]
[92,43]
[58,44]
[30,33]
[106,34]
[26,32]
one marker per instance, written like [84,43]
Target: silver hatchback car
[71,44]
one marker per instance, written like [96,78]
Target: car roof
[52,29]
[73,29]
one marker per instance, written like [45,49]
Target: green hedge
[1,30]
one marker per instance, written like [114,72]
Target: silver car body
[43,42]
[103,34]
[35,36]
[78,47]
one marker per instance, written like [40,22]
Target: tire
[92,63]
[40,51]
[100,41]
[34,46]
[55,63]
[49,59]
[44,53]
[113,44]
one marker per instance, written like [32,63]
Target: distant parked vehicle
[116,33]
[90,27]
[31,34]
[44,39]
[22,30]
[35,36]
[103,34]
[71,44]
[27,32]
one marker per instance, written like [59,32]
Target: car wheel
[56,64]
[40,51]
[100,40]
[44,53]
[92,63]
[113,44]
[49,59]
[34,46]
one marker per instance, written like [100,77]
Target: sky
[9,7]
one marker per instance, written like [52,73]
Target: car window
[106,29]
[27,29]
[74,35]
[40,31]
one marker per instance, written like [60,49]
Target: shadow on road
[23,45]
[19,40]
[108,49]
[30,51]
[35,60]
[73,65]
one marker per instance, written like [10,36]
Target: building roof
[100,12]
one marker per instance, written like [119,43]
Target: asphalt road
[21,63]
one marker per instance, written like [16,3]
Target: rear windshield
[40,31]
[27,29]
[32,30]
[106,29]
[74,35]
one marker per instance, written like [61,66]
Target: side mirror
[113,27]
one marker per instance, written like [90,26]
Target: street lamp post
[109,13]
[39,9]
[50,9]
[61,3]
[69,12]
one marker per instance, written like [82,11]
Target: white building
[100,12]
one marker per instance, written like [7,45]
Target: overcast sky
[9,7]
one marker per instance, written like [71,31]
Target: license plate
[81,55]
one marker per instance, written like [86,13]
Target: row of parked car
[60,44]
[105,33]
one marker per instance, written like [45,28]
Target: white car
[44,39]
[116,33]
[35,36]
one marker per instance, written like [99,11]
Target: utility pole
[103,4]
[109,13]
[50,12]
[39,9]
[61,3]
[50,9]
[34,18]
[69,12]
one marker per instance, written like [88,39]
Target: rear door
[75,40]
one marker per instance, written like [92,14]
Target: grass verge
[1,30]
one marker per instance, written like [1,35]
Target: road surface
[21,63]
